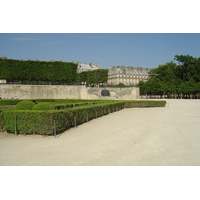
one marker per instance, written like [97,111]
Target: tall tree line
[180,79]
[93,77]
[37,70]
[57,71]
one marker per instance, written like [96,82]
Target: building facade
[87,67]
[127,75]
[3,57]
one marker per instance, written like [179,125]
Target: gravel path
[168,136]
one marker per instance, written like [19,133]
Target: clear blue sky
[109,49]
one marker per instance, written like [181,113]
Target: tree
[162,80]
[141,85]
[37,70]
[185,63]
[93,77]
[171,78]
[189,75]
[81,77]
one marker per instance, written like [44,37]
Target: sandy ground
[168,136]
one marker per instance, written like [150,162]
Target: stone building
[87,67]
[127,75]
[3,57]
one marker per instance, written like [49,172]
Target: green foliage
[25,105]
[141,104]
[42,122]
[28,121]
[9,102]
[6,107]
[93,77]
[44,100]
[120,85]
[59,106]
[170,78]
[43,106]
[82,77]
[37,70]
[141,85]
[1,121]
[185,65]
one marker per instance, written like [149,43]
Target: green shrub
[1,122]
[6,107]
[42,121]
[37,70]
[44,100]
[142,104]
[43,106]
[9,102]
[24,105]
[28,121]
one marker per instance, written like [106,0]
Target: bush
[142,104]
[44,100]
[24,105]
[43,106]
[1,123]
[9,102]
[28,121]
[42,121]
[37,70]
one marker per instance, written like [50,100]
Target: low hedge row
[67,100]
[9,102]
[59,106]
[142,104]
[42,121]
[1,122]
[55,101]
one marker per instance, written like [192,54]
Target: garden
[54,116]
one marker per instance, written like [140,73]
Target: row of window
[133,73]
[132,77]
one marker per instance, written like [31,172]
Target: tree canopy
[93,77]
[37,70]
[182,78]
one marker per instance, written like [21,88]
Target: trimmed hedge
[59,106]
[93,77]
[44,100]
[43,106]
[24,105]
[37,70]
[1,122]
[9,102]
[28,121]
[42,121]
[143,104]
